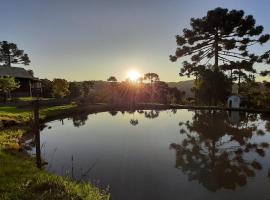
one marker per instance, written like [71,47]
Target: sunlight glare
[133,75]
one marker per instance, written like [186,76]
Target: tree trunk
[216,50]
[37,133]
[231,77]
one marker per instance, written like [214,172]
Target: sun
[133,75]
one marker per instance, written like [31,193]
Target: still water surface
[172,154]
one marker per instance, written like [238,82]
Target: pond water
[172,154]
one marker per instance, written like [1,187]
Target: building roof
[16,72]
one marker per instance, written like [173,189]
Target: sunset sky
[94,39]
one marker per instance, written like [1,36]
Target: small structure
[234,101]
[29,85]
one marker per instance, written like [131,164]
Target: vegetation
[21,116]
[21,180]
[220,42]
[60,88]
[7,84]
[10,54]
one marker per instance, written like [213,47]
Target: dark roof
[16,72]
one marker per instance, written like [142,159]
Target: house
[29,85]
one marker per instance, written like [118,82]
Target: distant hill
[183,86]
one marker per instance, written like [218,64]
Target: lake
[171,154]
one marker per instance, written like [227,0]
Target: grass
[20,116]
[11,113]
[21,180]
[28,99]
[9,138]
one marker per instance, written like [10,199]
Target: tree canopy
[8,84]
[222,36]
[60,88]
[152,77]
[112,79]
[11,54]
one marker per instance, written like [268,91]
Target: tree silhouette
[152,77]
[10,54]
[221,35]
[214,150]
[212,87]
[87,86]
[266,59]
[113,82]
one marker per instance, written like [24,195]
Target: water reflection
[217,150]
[151,114]
[79,119]
[134,122]
[113,113]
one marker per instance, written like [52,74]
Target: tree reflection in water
[133,121]
[214,150]
[113,112]
[151,114]
[79,120]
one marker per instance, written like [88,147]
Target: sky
[94,39]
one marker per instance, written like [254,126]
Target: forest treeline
[145,90]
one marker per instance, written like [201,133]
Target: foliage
[60,88]
[75,89]
[86,87]
[258,94]
[212,87]
[152,77]
[10,54]
[47,88]
[8,84]
[221,35]
[112,79]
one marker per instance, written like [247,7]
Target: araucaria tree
[152,77]
[221,40]
[10,54]
[113,82]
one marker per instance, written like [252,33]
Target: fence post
[37,133]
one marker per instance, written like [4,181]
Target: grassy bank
[22,116]
[20,179]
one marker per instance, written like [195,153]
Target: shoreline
[48,114]
[16,155]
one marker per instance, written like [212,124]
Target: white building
[234,101]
